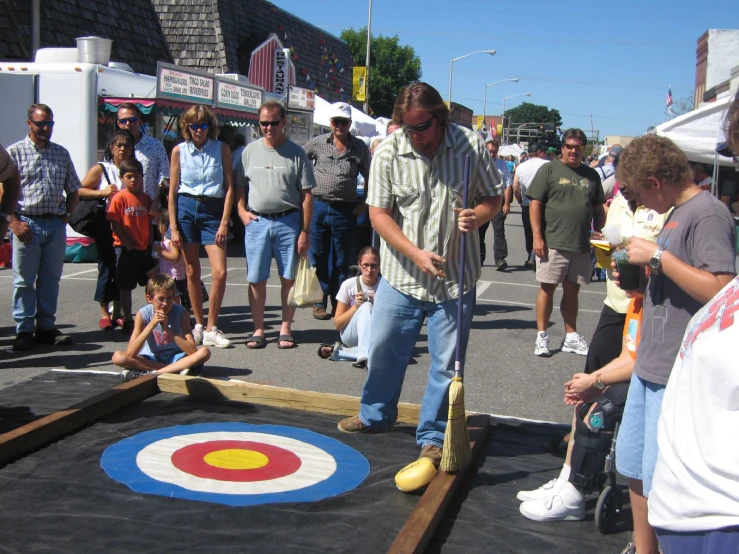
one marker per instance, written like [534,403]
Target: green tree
[391,67]
[547,121]
[684,105]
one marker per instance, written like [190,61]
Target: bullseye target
[237,464]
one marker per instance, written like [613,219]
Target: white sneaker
[546,490]
[197,334]
[552,508]
[216,338]
[131,374]
[542,345]
[576,346]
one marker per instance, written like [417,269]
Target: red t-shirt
[132,212]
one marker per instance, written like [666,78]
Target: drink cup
[154,249]
[612,234]
[628,274]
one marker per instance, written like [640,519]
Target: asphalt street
[502,375]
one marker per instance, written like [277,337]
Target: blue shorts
[636,445]
[267,238]
[199,220]
[165,357]
[699,542]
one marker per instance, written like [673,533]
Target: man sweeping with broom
[416,189]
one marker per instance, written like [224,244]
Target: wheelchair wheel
[607,510]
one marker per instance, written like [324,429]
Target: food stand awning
[171,107]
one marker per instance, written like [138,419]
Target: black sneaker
[53,337]
[23,341]
[500,265]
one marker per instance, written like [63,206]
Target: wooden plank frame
[415,533]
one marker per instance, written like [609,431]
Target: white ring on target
[155,460]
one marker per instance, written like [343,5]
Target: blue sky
[609,59]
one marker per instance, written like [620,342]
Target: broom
[457,452]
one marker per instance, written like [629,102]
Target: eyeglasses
[578,147]
[122,145]
[127,120]
[42,124]
[340,121]
[270,123]
[198,126]
[419,128]
[369,266]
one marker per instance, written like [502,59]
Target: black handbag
[89,214]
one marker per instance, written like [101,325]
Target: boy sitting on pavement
[162,340]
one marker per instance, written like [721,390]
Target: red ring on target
[191,459]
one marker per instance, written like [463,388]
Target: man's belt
[42,216]
[275,215]
[337,203]
[198,198]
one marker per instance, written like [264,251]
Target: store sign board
[186,85]
[301,99]
[235,96]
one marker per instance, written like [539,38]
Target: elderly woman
[200,201]
[101,183]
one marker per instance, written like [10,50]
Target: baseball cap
[340,109]
[615,152]
[537,147]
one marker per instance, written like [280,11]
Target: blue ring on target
[151,463]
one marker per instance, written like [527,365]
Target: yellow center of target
[236,458]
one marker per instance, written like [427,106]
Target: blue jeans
[37,269]
[396,323]
[331,244]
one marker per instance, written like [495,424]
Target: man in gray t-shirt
[273,196]
[692,260]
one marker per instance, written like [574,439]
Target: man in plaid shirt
[338,158]
[48,196]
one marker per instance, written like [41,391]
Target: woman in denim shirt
[200,200]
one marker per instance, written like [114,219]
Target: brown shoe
[433,453]
[352,424]
[319,312]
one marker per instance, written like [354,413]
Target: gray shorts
[561,265]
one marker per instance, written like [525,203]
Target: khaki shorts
[561,265]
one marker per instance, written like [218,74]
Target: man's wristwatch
[599,384]
[306,230]
[655,262]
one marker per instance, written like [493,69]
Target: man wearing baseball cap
[521,180]
[338,158]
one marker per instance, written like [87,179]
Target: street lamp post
[451,65]
[367,61]
[485,96]
[508,126]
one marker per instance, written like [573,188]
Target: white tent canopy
[510,150]
[363,124]
[695,132]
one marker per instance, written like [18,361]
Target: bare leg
[544,303]
[645,540]
[191,253]
[569,305]
[139,363]
[288,312]
[257,298]
[217,257]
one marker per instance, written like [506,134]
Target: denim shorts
[267,238]
[199,220]
[636,445]
[165,357]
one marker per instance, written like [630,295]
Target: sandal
[286,338]
[323,354]
[106,324]
[259,342]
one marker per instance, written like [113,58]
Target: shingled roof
[137,38]
[220,36]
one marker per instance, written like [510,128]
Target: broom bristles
[457,452]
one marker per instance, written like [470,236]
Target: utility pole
[367,60]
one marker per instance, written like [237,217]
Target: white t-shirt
[348,290]
[113,174]
[696,480]
[526,172]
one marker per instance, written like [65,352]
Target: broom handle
[458,362]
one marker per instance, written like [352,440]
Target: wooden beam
[325,403]
[54,426]
[420,526]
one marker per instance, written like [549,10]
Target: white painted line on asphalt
[87,371]
[482,286]
[537,286]
[79,273]
[530,305]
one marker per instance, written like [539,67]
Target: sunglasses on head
[340,121]
[42,124]
[578,147]
[270,123]
[127,120]
[198,126]
[420,128]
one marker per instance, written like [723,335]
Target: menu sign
[235,96]
[183,84]
[301,99]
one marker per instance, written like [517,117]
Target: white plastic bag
[307,290]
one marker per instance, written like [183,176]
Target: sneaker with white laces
[552,508]
[197,334]
[131,374]
[541,348]
[546,490]
[215,337]
[575,345]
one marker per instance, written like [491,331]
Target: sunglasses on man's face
[270,123]
[419,128]
[578,147]
[127,120]
[43,124]
[198,126]
[340,121]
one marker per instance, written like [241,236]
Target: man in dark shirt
[566,196]
[338,158]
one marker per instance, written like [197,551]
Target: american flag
[668,100]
